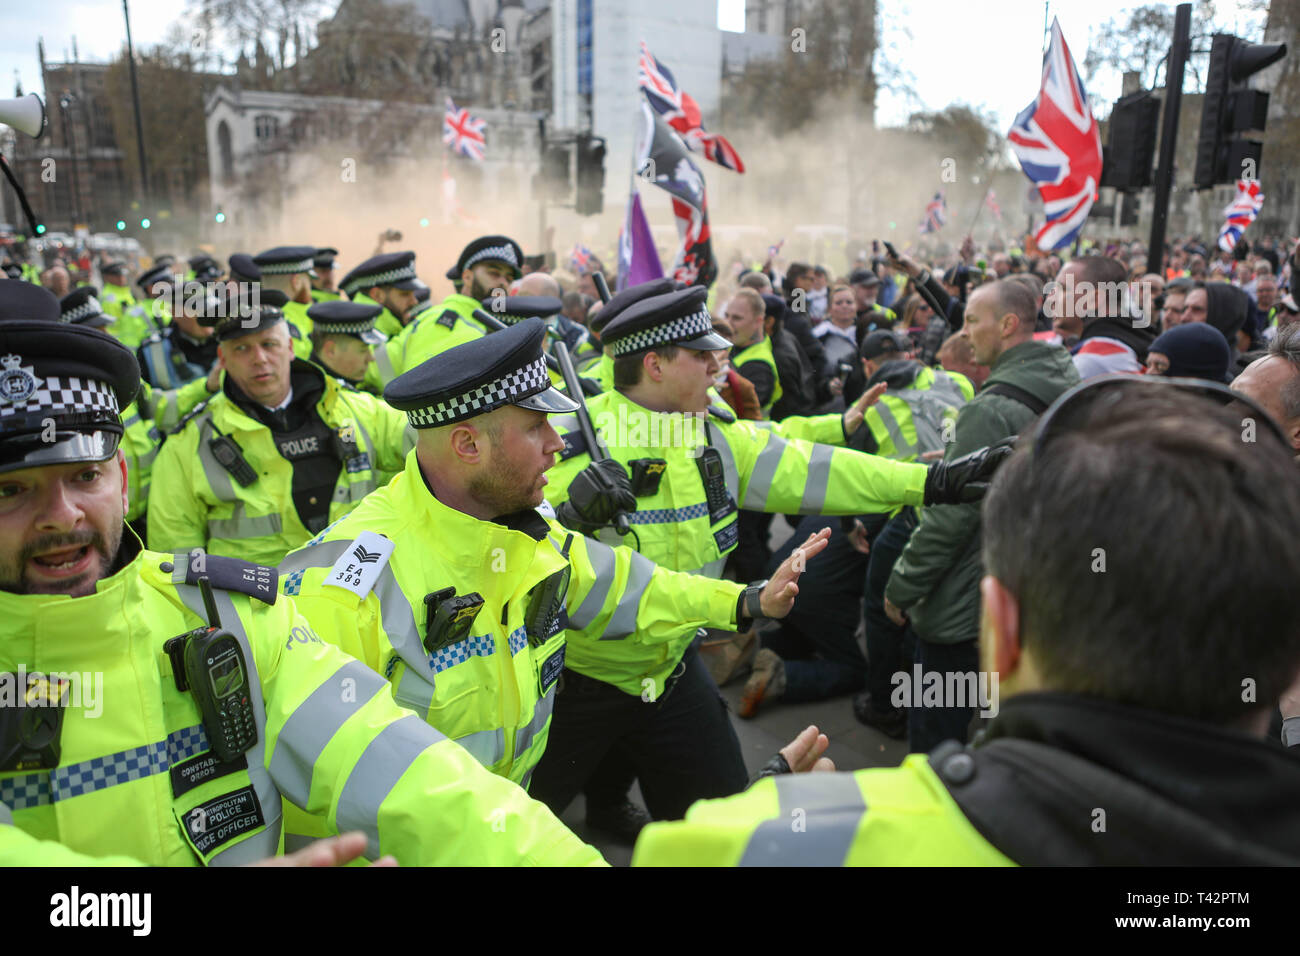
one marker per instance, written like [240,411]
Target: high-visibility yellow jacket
[194,502]
[139,319]
[115,299]
[889,816]
[324,295]
[761,352]
[681,525]
[300,326]
[436,329]
[937,395]
[493,690]
[140,442]
[135,781]
[388,355]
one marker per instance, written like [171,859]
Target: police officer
[277,455]
[343,337]
[486,267]
[179,363]
[387,281]
[148,314]
[288,269]
[601,366]
[322,283]
[243,269]
[202,268]
[140,436]
[106,772]
[456,582]
[752,356]
[690,472]
[116,295]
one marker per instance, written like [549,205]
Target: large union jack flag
[1241,212]
[463,132]
[682,113]
[1059,146]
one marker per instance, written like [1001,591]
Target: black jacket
[1061,779]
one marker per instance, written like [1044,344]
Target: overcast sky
[985,54]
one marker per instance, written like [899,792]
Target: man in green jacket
[936,580]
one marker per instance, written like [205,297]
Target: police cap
[113,269]
[504,368]
[324,258]
[676,318]
[396,269]
[500,249]
[347,318]
[513,309]
[159,272]
[80,307]
[285,260]
[627,297]
[77,377]
[205,268]
[244,269]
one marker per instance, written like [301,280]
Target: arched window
[227,154]
[265,128]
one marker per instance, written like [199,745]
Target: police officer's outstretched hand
[777,598]
[333,851]
[966,478]
[599,492]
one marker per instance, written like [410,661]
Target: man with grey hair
[935,582]
[1274,381]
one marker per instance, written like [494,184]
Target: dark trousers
[681,747]
[750,555]
[888,645]
[818,640]
[927,727]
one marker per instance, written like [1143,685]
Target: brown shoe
[767,682]
[728,655]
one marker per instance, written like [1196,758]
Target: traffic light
[590,197]
[121,224]
[220,217]
[1131,142]
[144,224]
[1232,107]
[40,229]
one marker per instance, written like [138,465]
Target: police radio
[230,457]
[209,663]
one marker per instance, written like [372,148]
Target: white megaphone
[24,113]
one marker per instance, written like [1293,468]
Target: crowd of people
[535,581]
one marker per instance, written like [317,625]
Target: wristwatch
[750,607]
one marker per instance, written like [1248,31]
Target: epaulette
[448,318]
[724,415]
[358,568]
[192,413]
[230,574]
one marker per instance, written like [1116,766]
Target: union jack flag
[1059,146]
[682,113]
[463,132]
[579,258]
[936,214]
[1241,212]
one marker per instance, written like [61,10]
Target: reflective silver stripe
[384,364]
[541,714]
[356,490]
[713,568]
[729,472]
[415,689]
[171,411]
[266,843]
[829,807]
[817,481]
[159,366]
[218,477]
[902,446]
[602,563]
[488,747]
[760,478]
[5,816]
[314,723]
[240,525]
[623,622]
[376,772]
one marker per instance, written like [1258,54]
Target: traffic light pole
[1169,136]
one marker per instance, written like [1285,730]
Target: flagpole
[1047,4]
[971,231]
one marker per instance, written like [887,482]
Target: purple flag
[638,260]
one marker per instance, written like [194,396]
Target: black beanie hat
[1195,350]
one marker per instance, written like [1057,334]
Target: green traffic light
[144,223]
[121,224]
[221,217]
[40,228]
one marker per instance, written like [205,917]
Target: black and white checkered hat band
[520,383]
[89,307]
[56,394]
[381,278]
[688,327]
[501,253]
[343,328]
[285,268]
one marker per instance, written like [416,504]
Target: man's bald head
[538,283]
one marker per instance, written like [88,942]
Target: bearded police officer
[688,467]
[456,583]
[277,455]
[343,337]
[486,268]
[139,765]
